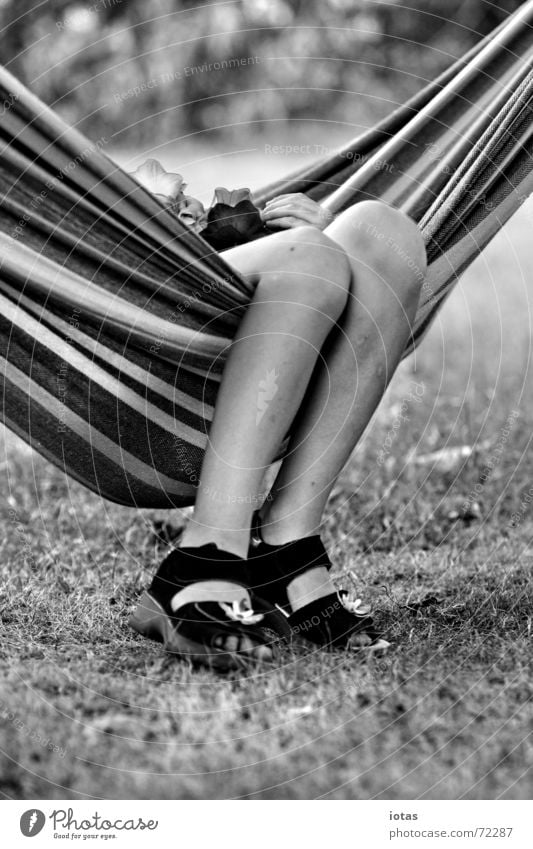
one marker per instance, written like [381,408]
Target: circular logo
[32,822]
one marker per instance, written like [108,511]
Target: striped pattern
[115,319]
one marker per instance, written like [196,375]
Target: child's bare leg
[302,289]
[388,264]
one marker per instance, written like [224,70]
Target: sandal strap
[312,585]
[212,591]
[329,616]
[282,573]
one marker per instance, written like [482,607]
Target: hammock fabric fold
[115,319]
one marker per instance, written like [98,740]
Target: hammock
[114,317]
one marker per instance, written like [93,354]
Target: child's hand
[295,210]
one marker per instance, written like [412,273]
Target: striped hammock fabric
[115,318]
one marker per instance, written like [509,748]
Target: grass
[444,548]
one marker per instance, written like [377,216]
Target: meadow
[434,514]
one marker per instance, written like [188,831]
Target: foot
[295,577]
[200,607]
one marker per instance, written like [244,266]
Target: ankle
[233,542]
[282,530]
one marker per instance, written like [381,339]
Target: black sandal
[334,621]
[199,606]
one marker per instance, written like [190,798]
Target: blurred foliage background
[143,70]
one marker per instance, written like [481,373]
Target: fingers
[279,197]
[295,200]
[309,215]
[294,210]
[291,195]
[281,210]
[283,218]
[285,223]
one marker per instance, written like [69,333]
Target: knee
[311,269]
[392,244]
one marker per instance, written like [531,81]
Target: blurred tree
[163,68]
